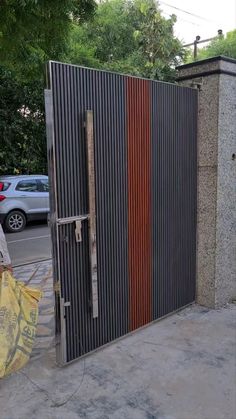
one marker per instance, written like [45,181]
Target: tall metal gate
[122,163]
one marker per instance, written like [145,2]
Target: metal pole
[195,47]
[198,41]
[195,50]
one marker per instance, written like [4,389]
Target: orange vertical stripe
[139,201]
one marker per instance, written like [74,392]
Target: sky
[200,17]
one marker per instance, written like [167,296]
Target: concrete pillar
[216,225]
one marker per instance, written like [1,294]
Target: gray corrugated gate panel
[76,90]
[174,171]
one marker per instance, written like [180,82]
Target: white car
[23,198]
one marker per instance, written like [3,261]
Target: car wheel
[15,221]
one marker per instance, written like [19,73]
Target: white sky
[213,15]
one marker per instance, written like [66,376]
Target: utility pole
[199,41]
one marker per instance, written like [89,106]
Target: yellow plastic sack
[18,321]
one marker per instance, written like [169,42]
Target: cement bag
[18,321]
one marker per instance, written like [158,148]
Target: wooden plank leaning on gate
[92,212]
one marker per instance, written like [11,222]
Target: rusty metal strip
[92,212]
[139,202]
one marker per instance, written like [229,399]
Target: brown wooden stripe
[139,201]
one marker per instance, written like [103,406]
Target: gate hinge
[197,83]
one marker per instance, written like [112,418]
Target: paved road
[31,245]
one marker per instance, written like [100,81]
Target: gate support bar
[92,212]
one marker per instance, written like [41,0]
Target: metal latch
[78,233]
[78,225]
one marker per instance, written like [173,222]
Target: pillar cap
[207,67]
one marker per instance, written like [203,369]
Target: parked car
[22,199]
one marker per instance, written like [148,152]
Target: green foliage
[128,36]
[159,51]
[223,45]
[22,127]
[111,30]
[79,49]
[33,31]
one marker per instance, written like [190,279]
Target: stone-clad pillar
[216,226]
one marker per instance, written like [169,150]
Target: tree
[22,126]
[159,51]
[33,31]
[223,45]
[128,36]
[80,49]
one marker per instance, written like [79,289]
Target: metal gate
[122,157]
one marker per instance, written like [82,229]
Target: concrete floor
[182,367]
